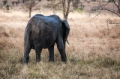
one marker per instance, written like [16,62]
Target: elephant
[42,32]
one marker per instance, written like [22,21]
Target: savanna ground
[93,52]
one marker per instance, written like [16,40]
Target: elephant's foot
[25,61]
[51,60]
[64,58]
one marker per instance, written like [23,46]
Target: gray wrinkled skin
[43,32]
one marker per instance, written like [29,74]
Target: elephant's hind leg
[51,53]
[38,50]
[26,53]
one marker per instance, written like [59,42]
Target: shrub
[79,10]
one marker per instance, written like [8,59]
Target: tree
[4,2]
[66,5]
[116,3]
[23,1]
[75,3]
[66,8]
[54,4]
[29,4]
[118,6]
[108,7]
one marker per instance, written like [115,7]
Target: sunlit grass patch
[76,67]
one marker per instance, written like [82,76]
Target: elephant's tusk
[68,42]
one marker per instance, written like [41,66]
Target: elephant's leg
[26,54]
[61,49]
[38,53]
[51,53]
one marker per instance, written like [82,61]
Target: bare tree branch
[112,12]
[96,15]
[103,7]
[28,5]
[115,3]
[66,8]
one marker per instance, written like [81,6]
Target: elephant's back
[50,26]
[45,29]
[41,23]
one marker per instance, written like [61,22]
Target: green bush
[79,10]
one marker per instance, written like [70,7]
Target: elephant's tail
[27,35]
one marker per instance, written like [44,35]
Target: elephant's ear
[66,29]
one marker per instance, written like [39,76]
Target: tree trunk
[119,6]
[66,7]
[30,10]
[23,1]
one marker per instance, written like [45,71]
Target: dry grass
[93,52]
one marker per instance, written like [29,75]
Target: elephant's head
[66,29]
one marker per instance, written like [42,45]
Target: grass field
[93,52]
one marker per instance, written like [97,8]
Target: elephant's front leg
[61,48]
[51,53]
[38,53]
